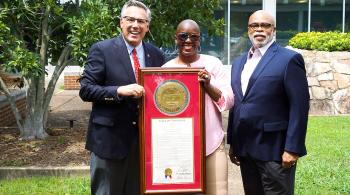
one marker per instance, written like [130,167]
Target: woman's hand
[205,77]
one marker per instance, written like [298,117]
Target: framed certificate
[172,134]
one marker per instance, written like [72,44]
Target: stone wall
[329,81]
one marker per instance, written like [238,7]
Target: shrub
[321,41]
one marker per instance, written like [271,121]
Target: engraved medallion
[171,97]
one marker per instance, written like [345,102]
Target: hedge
[321,41]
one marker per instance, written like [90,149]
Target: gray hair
[139,4]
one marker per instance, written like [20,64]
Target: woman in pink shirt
[218,97]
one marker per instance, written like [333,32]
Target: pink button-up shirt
[253,58]
[220,78]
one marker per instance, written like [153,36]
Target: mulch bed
[64,147]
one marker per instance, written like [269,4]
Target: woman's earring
[199,49]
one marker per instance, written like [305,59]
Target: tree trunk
[34,126]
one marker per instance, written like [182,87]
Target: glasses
[184,36]
[264,26]
[131,20]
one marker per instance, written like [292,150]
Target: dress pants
[266,177]
[116,176]
[216,172]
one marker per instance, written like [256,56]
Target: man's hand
[234,159]
[289,159]
[133,90]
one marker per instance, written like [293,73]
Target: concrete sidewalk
[66,105]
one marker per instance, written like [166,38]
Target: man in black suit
[267,125]
[109,82]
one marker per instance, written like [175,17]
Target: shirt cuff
[221,102]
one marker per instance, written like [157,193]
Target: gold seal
[168,173]
[171,97]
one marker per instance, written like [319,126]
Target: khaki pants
[216,172]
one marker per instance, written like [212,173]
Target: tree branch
[13,106]
[61,64]
[57,27]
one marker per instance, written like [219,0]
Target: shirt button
[134,123]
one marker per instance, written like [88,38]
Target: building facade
[292,16]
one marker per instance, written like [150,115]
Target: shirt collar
[130,47]
[262,50]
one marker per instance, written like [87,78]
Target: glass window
[291,18]
[240,12]
[347,16]
[214,45]
[326,15]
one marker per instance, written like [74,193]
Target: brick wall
[70,81]
[7,117]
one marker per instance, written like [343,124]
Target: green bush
[321,41]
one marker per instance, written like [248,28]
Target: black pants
[117,176]
[266,177]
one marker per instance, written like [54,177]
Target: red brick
[6,115]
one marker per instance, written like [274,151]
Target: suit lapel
[147,55]
[270,53]
[237,74]
[123,55]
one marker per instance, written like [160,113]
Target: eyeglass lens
[132,20]
[185,36]
[255,26]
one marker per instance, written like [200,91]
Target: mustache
[259,34]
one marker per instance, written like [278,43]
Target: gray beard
[261,44]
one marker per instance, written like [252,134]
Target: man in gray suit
[110,83]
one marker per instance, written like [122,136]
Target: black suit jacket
[113,124]
[272,115]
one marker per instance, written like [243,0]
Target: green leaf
[321,41]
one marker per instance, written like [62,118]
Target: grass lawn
[326,167]
[45,186]
[325,170]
